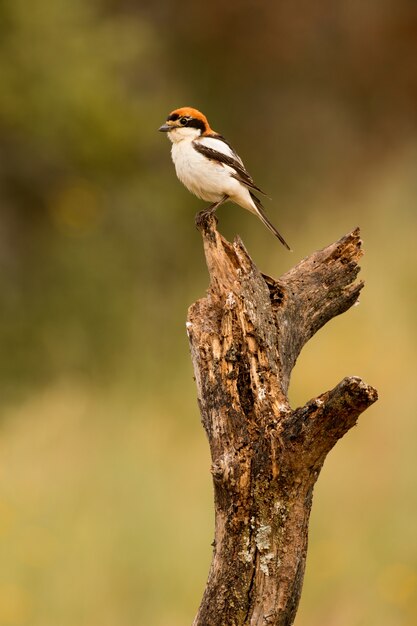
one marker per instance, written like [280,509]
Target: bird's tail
[262,216]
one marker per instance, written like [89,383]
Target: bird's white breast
[205,178]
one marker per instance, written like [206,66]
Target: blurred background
[106,513]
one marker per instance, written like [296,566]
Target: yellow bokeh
[397,584]
[15,605]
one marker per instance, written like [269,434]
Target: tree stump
[245,337]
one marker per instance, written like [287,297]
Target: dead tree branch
[245,337]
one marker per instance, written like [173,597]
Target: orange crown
[190,112]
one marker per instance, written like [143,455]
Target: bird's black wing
[240,172]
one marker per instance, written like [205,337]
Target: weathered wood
[245,337]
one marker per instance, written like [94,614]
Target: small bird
[208,165]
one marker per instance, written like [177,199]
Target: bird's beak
[165,128]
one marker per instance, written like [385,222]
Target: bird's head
[186,123]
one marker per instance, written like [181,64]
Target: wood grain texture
[245,337]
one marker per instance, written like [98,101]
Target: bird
[209,167]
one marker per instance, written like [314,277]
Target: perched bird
[209,167]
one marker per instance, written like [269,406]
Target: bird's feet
[206,217]
[206,220]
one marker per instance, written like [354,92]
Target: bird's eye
[183,121]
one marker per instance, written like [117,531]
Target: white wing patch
[220,146]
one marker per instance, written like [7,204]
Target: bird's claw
[206,220]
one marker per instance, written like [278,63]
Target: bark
[245,337]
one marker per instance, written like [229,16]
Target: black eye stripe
[196,123]
[189,122]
